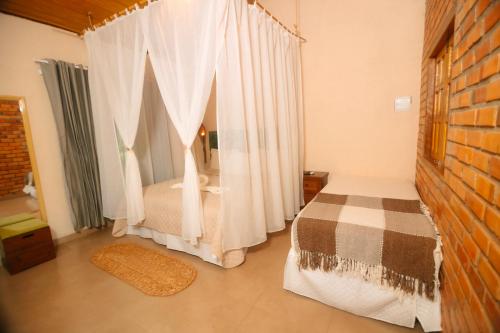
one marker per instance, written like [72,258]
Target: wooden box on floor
[28,249]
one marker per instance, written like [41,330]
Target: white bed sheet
[202,250]
[163,223]
[353,294]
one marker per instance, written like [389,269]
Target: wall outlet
[402,103]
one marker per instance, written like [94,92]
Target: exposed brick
[480,95]
[482,239]
[476,204]
[455,166]
[476,282]
[13,149]
[493,91]
[495,167]
[463,257]
[464,283]
[464,154]
[474,34]
[494,256]
[464,99]
[471,248]
[479,316]
[460,83]
[490,278]
[465,199]
[481,160]
[474,138]
[492,219]
[469,177]
[465,217]
[485,187]
[464,117]
[491,142]
[481,6]
[467,60]
[473,76]
[492,310]
[487,116]
[490,67]
[495,39]
[456,135]
[456,185]
[492,17]
[482,50]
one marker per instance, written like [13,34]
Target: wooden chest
[26,250]
[313,184]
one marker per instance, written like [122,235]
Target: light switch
[402,103]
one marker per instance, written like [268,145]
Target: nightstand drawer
[312,186]
[308,197]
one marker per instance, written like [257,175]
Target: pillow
[214,159]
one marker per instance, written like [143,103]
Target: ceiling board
[69,15]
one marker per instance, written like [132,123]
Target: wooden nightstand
[313,184]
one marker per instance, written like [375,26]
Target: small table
[313,184]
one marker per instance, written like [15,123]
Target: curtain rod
[143,3]
[296,34]
[43,61]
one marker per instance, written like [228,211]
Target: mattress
[163,222]
[351,293]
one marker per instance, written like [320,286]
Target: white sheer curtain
[110,169]
[117,58]
[163,154]
[181,39]
[258,125]
[242,204]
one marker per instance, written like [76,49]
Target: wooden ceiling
[71,15]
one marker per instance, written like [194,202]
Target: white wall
[21,42]
[358,57]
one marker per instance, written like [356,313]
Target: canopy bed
[368,246]
[183,45]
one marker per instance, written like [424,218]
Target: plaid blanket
[389,241]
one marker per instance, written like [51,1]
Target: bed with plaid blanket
[387,241]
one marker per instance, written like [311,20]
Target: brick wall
[465,199]
[14,157]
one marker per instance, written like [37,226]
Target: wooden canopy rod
[256,3]
[143,3]
[140,4]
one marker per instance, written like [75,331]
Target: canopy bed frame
[259,122]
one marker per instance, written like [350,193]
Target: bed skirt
[362,298]
[231,258]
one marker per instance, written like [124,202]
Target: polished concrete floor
[69,294]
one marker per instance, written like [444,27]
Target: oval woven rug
[148,270]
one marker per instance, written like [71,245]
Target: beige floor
[69,294]
[22,204]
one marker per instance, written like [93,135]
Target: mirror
[20,190]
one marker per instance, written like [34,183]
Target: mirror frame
[31,151]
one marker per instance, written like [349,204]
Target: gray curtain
[69,95]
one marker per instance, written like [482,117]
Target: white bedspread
[352,293]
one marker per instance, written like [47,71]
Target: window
[438,122]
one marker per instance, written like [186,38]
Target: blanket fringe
[438,255]
[377,274]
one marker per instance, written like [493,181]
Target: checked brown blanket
[389,241]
